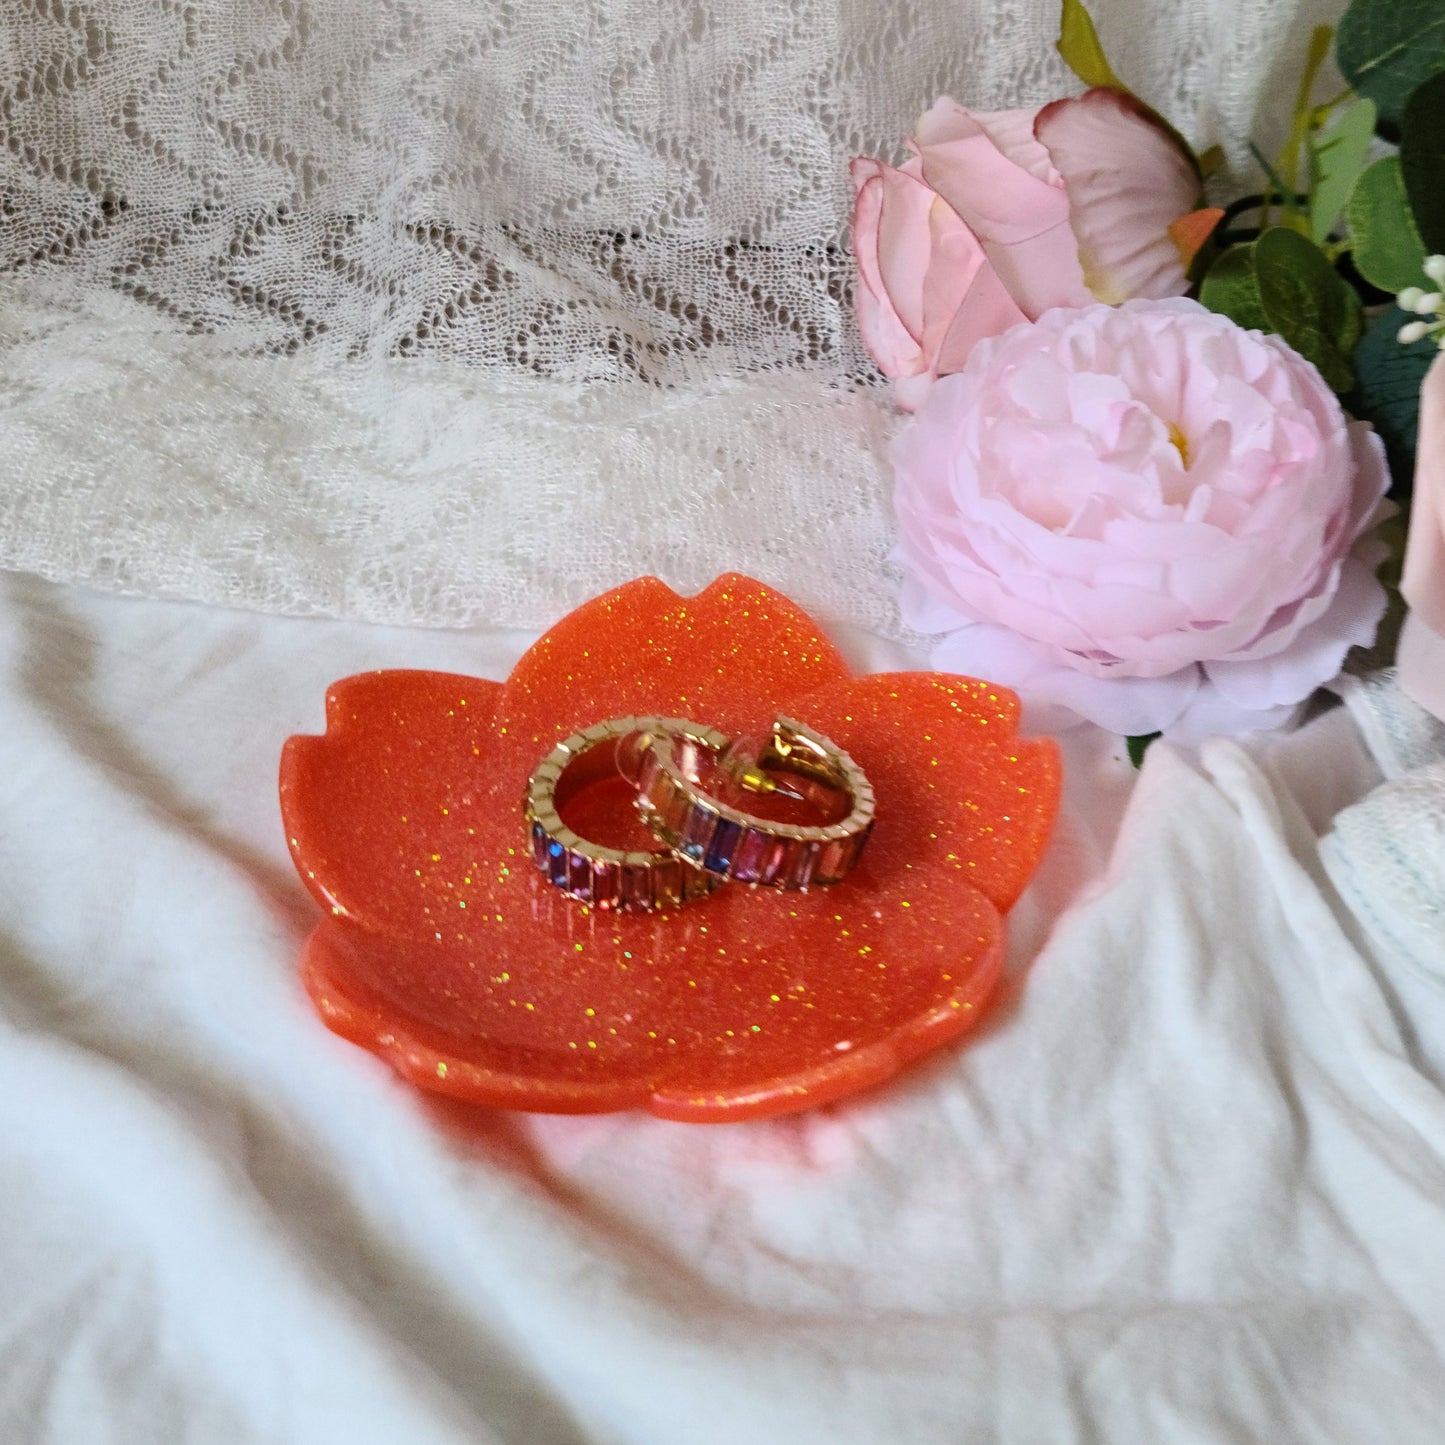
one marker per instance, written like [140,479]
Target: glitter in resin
[444,950]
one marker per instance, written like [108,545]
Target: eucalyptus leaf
[1284,283]
[1308,303]
[1080,47]
[1422,158]
[1386,48]
[1387,394]
[1387,248]
[1232,289]
[1337,156]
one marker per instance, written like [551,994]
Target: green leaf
[1232,289]
[1138,746]
[1080,47]
[1387,393]
[1308,303]
[1337,156]
[1284,283]
[1385,48]
[1387,248]
[1422,159]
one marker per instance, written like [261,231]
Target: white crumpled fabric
[1188,1183]
[1386,853]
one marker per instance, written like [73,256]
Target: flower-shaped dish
[445,951]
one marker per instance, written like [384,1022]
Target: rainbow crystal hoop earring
[722,841]
[611,878]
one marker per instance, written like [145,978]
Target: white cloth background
[450,311]
[453,313]
[1188,1185]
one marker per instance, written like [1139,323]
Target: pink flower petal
[910,392]
[999,199]
[1127,705]
[1010,131]
[1421,661]
[894,343]
[1424,580]
[1210,715]
[961,294]
[1278,634]
[925,611]
[891,239]
[1372,478]
[1127,181]
[987,310]
[1316,654]
[1042,272]
[917,262]
[999,181]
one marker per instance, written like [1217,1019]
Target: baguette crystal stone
[608,878]
[722,846]
[834,860]
[696,833]
[725,842]
[605,877]
[754,849]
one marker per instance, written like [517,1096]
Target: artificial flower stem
[1289,161]
[1321,113]
[1275,187]
[1243,206]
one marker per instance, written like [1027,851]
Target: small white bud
[1412,332]
[1428,304]
[1435,269]
[1410,298]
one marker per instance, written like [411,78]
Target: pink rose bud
[1421,657]
[999,216]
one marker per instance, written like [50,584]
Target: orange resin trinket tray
[447,952]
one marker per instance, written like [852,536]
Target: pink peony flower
[1422,641]
[1147,516]
[999,216]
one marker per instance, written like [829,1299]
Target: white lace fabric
[444,312]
